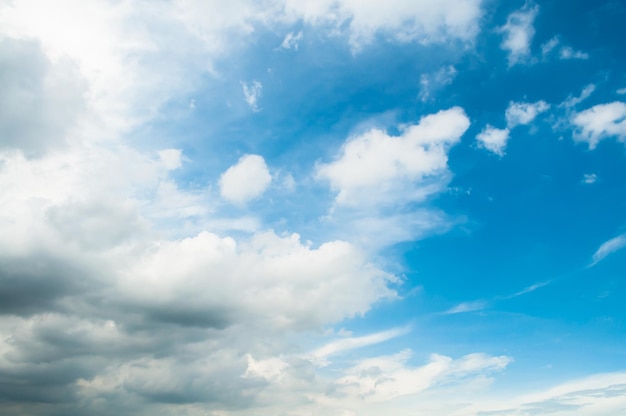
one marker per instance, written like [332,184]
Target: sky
[313,207]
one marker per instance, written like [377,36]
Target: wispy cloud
[464,307]
[252,92]
[608,248]
[320,355]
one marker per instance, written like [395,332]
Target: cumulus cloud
[376,168]
[246,180]
[518,33]
[609,247]
[493,139]
[600,122]
[524,113]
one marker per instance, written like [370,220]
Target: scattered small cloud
[524,113]
[572,101]
[171,158]
[493,139]
[549,46]
[467,307]
[599,122]
[291,41]
[590,178]
[567,52]
[621,91]
[608,248]
[434,81]
[246,180]
[320,355]
[529,289]
[252,93]
[518,33]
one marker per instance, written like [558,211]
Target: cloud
[621,91]
[574,101]
[320,355]
[518,33]
[590,178]
[376,168]
[524,113]
[246,180]
[387,377]
[291,40]
[41,100]
[567,52]
[422,21]
[431,83]
[493,139]
[599,122]
[609,247]
[172,158]
[598,394]
[252,93]
[467,307]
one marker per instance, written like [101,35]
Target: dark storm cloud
[35,284]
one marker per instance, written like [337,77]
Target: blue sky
[312,208]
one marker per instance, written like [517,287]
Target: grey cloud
[37,283]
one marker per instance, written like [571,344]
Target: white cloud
[621,91]
[599,122]
[385,378]
[291,40]
[376,168]
[467,307]
[320,355]
[590,178]
[172,159]
[431,83]
[493,139]
[518,33]
[567,52]
[572,101]
[252,93]
[246,180]
[421,21]
[608,248]
[524,113]
[549,46]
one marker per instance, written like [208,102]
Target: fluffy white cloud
[524,113]
[172,158]
[609,247]
[423,21]
[376,168]
[518,33]
[599,122]
[493,139]
[246,180]
[274,281]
